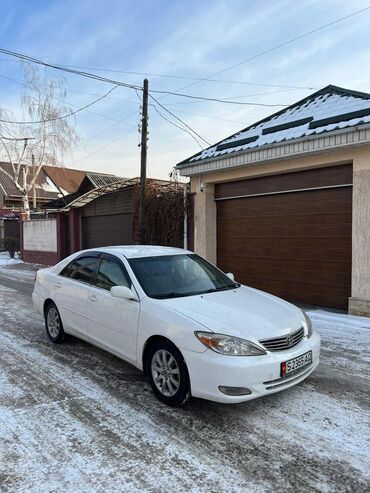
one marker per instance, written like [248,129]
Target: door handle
[58,285]
[92,297]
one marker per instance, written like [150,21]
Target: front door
[72,290]
[112,322]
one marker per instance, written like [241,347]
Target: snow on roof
[326,110]
[45,187]
[48,185]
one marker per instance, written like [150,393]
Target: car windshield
[172,276]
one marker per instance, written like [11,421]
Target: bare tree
[42,136]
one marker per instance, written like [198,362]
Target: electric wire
[123,84]
[178,126]
[179,119]
[176,93]
[59,117]
[183,77]
[276,47]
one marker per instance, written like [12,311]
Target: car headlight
[229,345]
[309,325]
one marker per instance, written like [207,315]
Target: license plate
[292,365]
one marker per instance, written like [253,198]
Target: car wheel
[168,374]
[53,324]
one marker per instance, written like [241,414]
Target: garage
[108,220]
[289,234]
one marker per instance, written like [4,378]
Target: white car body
[124,327]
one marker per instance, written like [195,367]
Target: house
[104,216]
[10,197]
[285,202]
[52,183]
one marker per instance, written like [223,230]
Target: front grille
[284,342]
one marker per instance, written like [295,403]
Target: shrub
[11,245]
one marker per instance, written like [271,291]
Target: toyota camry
[189,326]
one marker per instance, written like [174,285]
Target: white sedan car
[190,327]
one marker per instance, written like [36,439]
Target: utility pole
[34,185]
[144,149]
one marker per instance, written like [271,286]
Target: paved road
[76,419]
[23,287]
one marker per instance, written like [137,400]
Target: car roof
[136,251]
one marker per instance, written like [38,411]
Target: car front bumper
[259,374]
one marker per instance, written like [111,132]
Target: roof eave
[280,151]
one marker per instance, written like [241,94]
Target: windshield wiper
[173,294]
[223,288]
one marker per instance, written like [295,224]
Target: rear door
[112,322]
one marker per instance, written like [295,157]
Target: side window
[81,269]
[111,274]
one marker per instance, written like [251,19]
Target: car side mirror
[123,292]
[230,275]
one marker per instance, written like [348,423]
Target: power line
[123,84]
[178,126]
[63,116]
[176,93]
[30,59]
[276,47]
[226,101]
[19,81]
[238,97]
[210,117]
[112,126]
[104,146]
[184,77]
[200,98]
[179,119]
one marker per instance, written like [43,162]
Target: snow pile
[6,260]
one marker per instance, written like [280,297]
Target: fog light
[234,390]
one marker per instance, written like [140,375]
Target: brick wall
[43,258]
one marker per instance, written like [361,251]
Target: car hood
[243,312]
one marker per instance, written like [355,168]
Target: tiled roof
[7,214]
[45,188]
[326,110]
[54,181]
[67,179]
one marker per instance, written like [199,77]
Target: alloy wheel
[165,372]
[53,322]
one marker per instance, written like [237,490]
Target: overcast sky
[190,39]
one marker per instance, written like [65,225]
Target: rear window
[81,269]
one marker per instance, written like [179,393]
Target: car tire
[53,324]
[168,374]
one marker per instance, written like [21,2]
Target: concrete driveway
[76,419]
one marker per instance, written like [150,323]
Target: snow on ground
[75,419]
[17,269]
[6,260]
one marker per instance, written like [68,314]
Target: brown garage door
[98,231]
[289,234]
